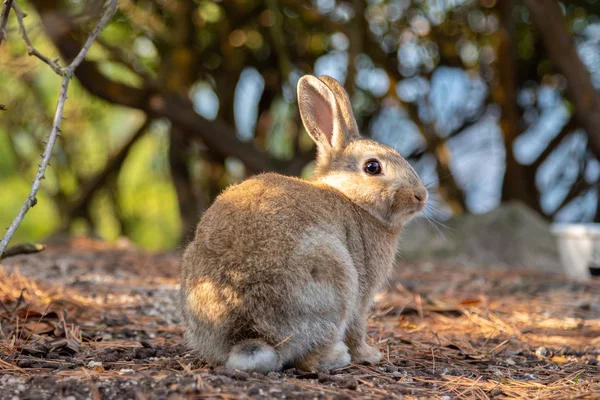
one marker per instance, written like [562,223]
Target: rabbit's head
[372,175]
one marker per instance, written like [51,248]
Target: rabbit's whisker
[442,225]
[438,180]
[437,229]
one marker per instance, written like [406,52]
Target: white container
[579,248]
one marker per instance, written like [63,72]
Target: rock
[350,383]
[93,364]
[541,351]
[512,235]
[323,377]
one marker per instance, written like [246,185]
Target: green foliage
[146,195]
[41,219]
[145,207]
[182,48]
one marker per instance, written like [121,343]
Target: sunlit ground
[100,318]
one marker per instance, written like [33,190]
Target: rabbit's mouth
[416,210]
[409,202]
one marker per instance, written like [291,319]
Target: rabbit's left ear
[322,115]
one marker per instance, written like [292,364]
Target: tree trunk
[189,206]
[517,184]
[447,186]
[560,47]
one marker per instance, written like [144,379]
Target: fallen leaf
[470,302]
[39,327]
[409,326]
[69,346]
[27,314]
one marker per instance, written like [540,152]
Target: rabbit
[282,271]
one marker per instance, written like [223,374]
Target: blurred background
[491,101]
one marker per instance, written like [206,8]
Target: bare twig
[144,20]
[32,51]
[67,74]
[128,59]
[25,248]
[4,17]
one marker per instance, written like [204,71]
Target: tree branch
[468,123]
[67,74]
[4,17]
[78,207]
[577,189]
[356,34]
[219,137]
[568,128]
[128,60]
[144,20]
[190,208]
[32,51]
[24,248]
[285,66]
[560,47]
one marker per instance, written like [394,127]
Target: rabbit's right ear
[319,112]
[346,116]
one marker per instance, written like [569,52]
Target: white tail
[254,355]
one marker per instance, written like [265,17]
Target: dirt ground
[88,320]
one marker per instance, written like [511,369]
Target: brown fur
[282,271]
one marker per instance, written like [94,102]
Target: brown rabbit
[282,271]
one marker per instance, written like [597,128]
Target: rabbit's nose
[420,194]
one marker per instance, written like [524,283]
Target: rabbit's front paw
[337,357]
[366,354]
[326,358]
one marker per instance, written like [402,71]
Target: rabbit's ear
[346,115]
[320,113]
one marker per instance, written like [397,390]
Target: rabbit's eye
[372,167]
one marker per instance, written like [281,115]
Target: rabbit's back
[267,218]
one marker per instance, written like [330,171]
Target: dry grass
[105,320]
